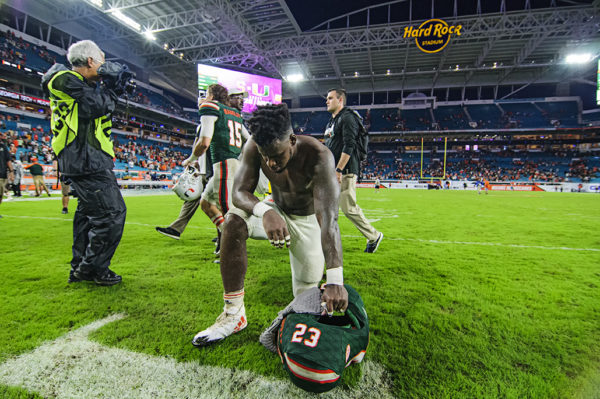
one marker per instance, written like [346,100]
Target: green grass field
[469,296]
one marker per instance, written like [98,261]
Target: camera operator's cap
[242,93]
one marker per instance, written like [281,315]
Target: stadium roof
[357,44]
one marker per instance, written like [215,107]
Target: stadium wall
[495,186]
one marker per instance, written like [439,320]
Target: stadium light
[149,35]
[97,3]
[125,19]
[296,77]
[578,58]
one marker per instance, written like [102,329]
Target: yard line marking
[71,220]
[72,366]
[489,244]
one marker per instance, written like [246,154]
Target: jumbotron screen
[261,90]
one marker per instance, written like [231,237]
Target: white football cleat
[225,325]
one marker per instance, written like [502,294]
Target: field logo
[433,35]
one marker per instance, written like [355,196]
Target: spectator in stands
[6,166]
[342,135]
[37,171]
[81,108]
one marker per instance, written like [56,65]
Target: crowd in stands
[14,50]
[121,120]
[27,145]
[132,151]
[18,51]
[158,102]
[136,152]
[499,166]
[453,120]
[515,115]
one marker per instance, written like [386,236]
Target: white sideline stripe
[490,244]
[72,366]
[71,220]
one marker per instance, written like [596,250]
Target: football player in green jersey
[223,134]
[302,215]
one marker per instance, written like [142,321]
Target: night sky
[309,13]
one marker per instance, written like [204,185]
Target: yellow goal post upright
[432,178]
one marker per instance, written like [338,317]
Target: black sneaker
[169,232]
[218,248]
[107,278]
[72,278]
[65,211]
[215,239]
[78,276]
[373,245]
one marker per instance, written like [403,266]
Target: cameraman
[82,100]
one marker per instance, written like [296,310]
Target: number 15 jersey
[227,140]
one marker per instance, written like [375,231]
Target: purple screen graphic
[261,90]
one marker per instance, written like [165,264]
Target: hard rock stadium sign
[432,35]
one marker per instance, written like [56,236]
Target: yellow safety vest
[65,120]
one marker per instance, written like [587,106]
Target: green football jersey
[316,349]
[227,141]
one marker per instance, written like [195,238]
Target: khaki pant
[38,181]
[188,209]
[65,189]
[352,210]
[2,184]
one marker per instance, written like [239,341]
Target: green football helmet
[316,349]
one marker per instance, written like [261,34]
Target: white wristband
[335,276]
[192,157]
[260,209]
